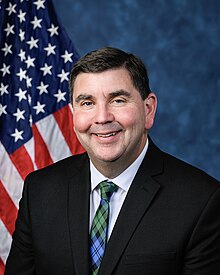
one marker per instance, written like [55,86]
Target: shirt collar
[123,180]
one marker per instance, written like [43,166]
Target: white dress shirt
[123,181]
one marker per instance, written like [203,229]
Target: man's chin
[105,159]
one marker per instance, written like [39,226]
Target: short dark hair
[109,58]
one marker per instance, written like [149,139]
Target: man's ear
[150,110]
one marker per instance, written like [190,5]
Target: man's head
[111,58]
[113,108]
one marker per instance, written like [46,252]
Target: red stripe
[8,211]
[22,161]
[42,155]
[64,119]
[2,267]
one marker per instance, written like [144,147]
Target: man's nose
[103,114]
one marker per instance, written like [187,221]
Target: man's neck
[112,169]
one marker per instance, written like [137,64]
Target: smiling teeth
[107,135]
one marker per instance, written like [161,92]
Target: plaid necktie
[99,230]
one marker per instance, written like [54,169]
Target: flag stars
[22,74]
[7,49]
[21,16]
[9,29]
[28,81]
[30,61]
[46,69]
[36,22]
[63,76]
[53,30]
[17,135]
[19,114]
[67,57]
[31,120]
[39,4]
[60,96]
[3,109]
[5,69]
[33,43]
[3,89]
[11,8]
[39,108]
[21,95]
[22,35]
[43,88]
[50,49]
[29,99]
[22,55]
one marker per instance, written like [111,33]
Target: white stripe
[53,138]
[29,146]
[71,107]
[10,177]
[5,242]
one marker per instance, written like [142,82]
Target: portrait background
[180,43]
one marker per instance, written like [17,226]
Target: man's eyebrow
[83,97]
[111,95]
[120,93]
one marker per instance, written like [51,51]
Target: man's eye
[118,101]
[87,103]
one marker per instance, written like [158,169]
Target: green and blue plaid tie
[99,230]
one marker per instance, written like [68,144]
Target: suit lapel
[139,198]
[79,192]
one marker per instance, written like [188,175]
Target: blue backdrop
[179,41]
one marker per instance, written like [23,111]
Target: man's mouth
[106,135]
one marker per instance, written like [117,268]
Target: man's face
[110,117]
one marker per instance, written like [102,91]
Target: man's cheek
[81,123]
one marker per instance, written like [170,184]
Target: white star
[7,49]
[3,89]
[21,95]
[19,114]
[36,22]
[63,76]
[11,8]
[39,108]
[43,88]
[33,43]
[30,61]
[60,96]
[22,55]
[50,49]
[5,69]
[21,16]
[29,99]
[46,69]
[9,29]
[28,81]
[21,35]
[53,30]
[30,120]
[3,109]
[39,4]
[67,57]
[22,74]
[17,135]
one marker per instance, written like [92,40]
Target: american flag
[36,127]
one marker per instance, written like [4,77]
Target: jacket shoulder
[59,171]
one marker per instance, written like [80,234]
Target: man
[158,216]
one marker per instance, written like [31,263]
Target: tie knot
[107,188]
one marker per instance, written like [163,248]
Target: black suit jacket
[168,224]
